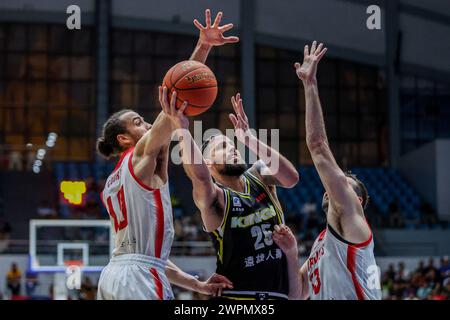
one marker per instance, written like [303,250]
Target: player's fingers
[275,235]
[241,120]
[277,227]
[219,293]
[313,47]
[322,53]
[241,111]
[198,24]
[233,102]
[319,48]
[173,103]
[226,27]
[297,65]
[233,119]
[165,99]
[183,107]
[306,51]
[208,18]
[160,93]
[231,39]
[241,108]
[224,279]
[218,19]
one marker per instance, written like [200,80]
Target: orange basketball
[194,83]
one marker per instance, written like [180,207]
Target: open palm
[212,35]
[308,69]
[239,119]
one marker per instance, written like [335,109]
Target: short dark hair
[360,189]
[107,144]
[207,142]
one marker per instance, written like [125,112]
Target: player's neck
[235,183]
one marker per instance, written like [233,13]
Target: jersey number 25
[260,233]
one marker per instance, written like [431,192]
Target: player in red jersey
[137,197]
[342,263]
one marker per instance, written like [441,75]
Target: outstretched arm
[160,134]
[272,167]
[210,36]
[348,213]
[154,145]
[298,279]
[213,286]
[150,155]
[207,195]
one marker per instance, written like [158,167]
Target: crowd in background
[306,224]
[15,291]
[426,282]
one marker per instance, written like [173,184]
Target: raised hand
[239,119]
[212,35]
[308,69]
[177,116]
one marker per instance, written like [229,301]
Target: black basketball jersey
[246,253]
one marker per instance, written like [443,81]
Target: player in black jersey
[239,206]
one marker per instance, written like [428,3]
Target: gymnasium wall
[339,23]
[427,168]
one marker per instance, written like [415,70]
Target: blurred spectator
[190,230]
[178,228]
[421,268]
[308,209]
[390,273]
[15,161]
[5,233]
[176,206]
[31,282]
[403,274]
[395,217]
[13,279]
[425,283]
[100,187]
[30,157]
[428,216]
[45,211]
[424,290]
[437,294]
[446,285]
[430,266]
[88,290]
[445,266]
[92,202]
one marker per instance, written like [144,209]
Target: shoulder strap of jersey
[218,233]
[226,206]
[275,203]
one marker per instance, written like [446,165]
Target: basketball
[194,83]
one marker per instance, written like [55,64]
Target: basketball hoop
[70,263]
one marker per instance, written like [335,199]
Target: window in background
[353,101]
[141,59]
[47,84]
[425,111]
